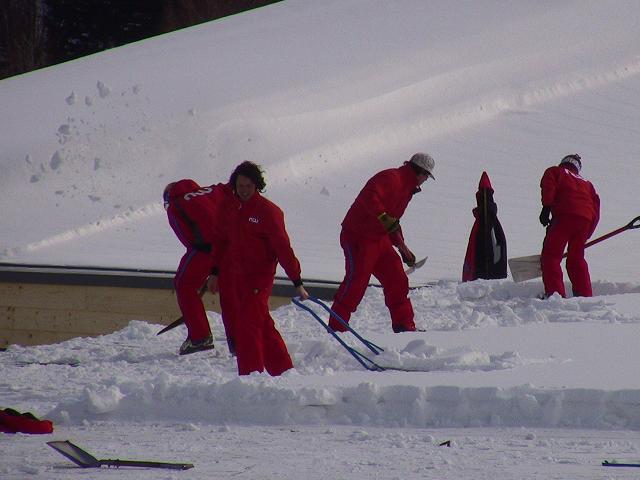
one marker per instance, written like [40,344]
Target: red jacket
[258,241]
[194,212]
[567,192]
[388,191]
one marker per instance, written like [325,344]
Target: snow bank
[134,375]
[267,403]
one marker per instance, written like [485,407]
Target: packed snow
[323,95]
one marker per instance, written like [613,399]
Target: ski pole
[362,359]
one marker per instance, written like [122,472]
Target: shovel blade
[75,454]
[525,268]
[416,266]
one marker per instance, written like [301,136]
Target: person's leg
[249,330]
[395,285]
[193,271]
[359,258]
[553,247]
[276,355]
[577,267]
[228,296]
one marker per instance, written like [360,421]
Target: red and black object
[12,421]
[486,255]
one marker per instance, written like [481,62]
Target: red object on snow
[12,421]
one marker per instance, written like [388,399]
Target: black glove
[202,247]
[544,216]
[390,224]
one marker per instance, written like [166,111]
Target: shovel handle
[180,321]
[635,223]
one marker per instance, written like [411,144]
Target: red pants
[574,231]
[258,343]
[194,269]
[363,258]
[228,307]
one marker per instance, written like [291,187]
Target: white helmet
[425,162]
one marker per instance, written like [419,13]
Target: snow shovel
[527,268]
[415,266]
[172,325]
[86,460]
[362,359]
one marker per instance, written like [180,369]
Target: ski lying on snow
[401,369]
[21,363]
[72,362]
[615,463]
[360,357]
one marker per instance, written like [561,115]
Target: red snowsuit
[193,213]
[257,241]
[368,248]
[575,210]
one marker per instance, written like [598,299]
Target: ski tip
[616,463]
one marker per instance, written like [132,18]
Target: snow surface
[324,94]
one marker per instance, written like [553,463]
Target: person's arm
[373,195]
[302,293]
[548,187]
[596,208]
[279,241]
[371,198]
[397,240]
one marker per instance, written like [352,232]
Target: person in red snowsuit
[257,241]
[370,230]
[193,214]
[570,211]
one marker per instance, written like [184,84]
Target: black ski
[70,363]
[615,463]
